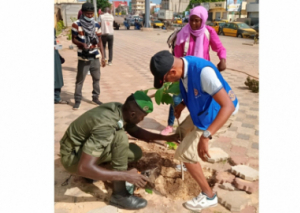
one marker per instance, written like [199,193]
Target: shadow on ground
[67,96]
[78,189]
[72,69]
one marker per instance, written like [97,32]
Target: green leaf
[158,96]
[167,99]
[172,145]
[149,191]
[174,88]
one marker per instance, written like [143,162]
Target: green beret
[143,101]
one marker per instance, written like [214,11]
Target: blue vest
[203,108]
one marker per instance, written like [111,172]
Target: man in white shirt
[211,103]
[107,28]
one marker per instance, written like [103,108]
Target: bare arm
[227,108]
[147,136]
[100,45]
[78,43]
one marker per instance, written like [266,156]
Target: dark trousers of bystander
[57,92]
[108,39]
[82,70]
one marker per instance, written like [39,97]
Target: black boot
[123,200]
[96,100]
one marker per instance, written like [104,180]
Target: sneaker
[167,130]
[76,105]
[89,73]
[109,63]
[201,202]
[96,101]
[178,168]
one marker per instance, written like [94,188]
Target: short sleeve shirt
[94,130]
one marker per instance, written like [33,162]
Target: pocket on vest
[206,117]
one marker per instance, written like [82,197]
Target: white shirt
[210,83]
[107,24]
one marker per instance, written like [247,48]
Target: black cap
[87,7]
[160,64]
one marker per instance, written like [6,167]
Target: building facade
[252,9]
[218,10]
[177,6]
[138,6]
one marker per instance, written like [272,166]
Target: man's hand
[222,65]
[84,46]
[173,138]
[178,110]
[135,178]
[203,148]
[103,62]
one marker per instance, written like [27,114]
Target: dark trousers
[57,95]
[82,70]
[108,39]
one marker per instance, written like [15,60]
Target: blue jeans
[177,100]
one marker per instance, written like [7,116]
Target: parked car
[217,25]
[238,29]
[157,24]
[185,20]
[256,27]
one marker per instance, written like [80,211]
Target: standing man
[99,136]
[86,34]
[211,103]
[58,77]
[107,28]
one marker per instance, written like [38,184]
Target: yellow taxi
[156,24]
[179,21]
[238,29]
[217,25]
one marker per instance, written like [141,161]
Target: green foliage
[102,4]
[59,27]
[149,191]
[69,35]
[252,84]
[123,12]
[73,19]
[172,145]
[163,95]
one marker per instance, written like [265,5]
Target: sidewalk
[130,72]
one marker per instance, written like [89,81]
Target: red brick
[238,150]
[245,185]
[239,159]
[253,162]
[224,140]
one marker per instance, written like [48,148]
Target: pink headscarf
[185,32]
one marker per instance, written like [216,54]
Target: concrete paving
[245,172]
[130,72]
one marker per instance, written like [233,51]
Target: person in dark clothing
[58,77]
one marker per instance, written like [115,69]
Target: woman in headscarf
[195,39]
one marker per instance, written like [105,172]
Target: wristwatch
[207,134]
